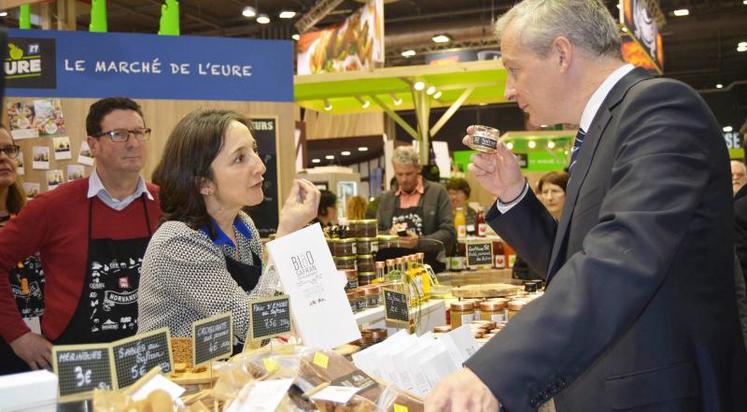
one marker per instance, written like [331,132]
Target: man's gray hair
[586,23]
[406,155]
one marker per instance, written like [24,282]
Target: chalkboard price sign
[212,338]
[136,355]
[395,306]
[270,317]
[479,254]
[82,368]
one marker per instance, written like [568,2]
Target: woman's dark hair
[101,108]
[458,183]
[16,196]
[327,199]
[556,178]
[192,146]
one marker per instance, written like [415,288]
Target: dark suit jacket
[740,226]
[640,310]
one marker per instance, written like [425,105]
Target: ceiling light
[431,90]
[719,86]
[263,19]
[363,149]
[727,129]
[316,161]
[3,13]
[437,94]
[441,38]
[509,145]
[287,14]
[329,157]
[418,86]
[624,29]
[249,11]
[742,49]
[327,105]
[296,37]
[397,101]
[364,103]
[744,2]
[408,53]
[532,144]
[681,12]
[551,144]
[483,104]
[345,153]
[742,44]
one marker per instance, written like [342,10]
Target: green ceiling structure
[397,88]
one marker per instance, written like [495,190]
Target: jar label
[497,318]
[500,261]
[467,318]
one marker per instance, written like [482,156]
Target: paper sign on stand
[309,276]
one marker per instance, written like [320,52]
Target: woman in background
[551,192]
[206,256]
[27,278]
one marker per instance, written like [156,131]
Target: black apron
[411,216]
[27,284]
[107,309]
[247,276]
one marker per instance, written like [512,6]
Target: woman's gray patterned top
[184,279]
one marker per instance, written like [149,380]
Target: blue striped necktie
[576,148]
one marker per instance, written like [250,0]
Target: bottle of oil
[460,221]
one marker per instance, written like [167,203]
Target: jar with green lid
[367,245]
[346,263]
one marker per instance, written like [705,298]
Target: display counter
[432,314]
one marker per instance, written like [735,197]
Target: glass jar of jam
[373,295]
[366,263]
[346,263]
[461,313]
[367,245]
[343,247]
[366,278]
[388,241]
[493,310]
[352,277]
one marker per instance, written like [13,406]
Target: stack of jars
[365,232]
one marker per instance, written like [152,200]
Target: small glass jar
[343,247]
[354,228]
[373,296]
[484,139]
[354,300]
[365,228]
[346,263]
[373,336]
[493,310]
[366,263]
[514,306]
[352,277]
[461,313]
[388,241]
[361,299]
[380,270]
[366,278]
[367,245]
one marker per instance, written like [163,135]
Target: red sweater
[55,223]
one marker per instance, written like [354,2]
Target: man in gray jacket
[417,210]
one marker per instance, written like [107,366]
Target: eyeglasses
[123,135]
[11,150]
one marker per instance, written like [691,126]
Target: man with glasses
[91,235]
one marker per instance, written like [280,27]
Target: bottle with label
[471,226]
[482,226]
[499,255]
[460,222]
[510,255]
[416,281]
[458,261]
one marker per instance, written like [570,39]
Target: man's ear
[563,50]
[93,144]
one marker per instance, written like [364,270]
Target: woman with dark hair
[206,256]
[326,214]
[551,192]
[27,278]
[459,191]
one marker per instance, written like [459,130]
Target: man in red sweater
[91,234]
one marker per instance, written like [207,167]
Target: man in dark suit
[640,310]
